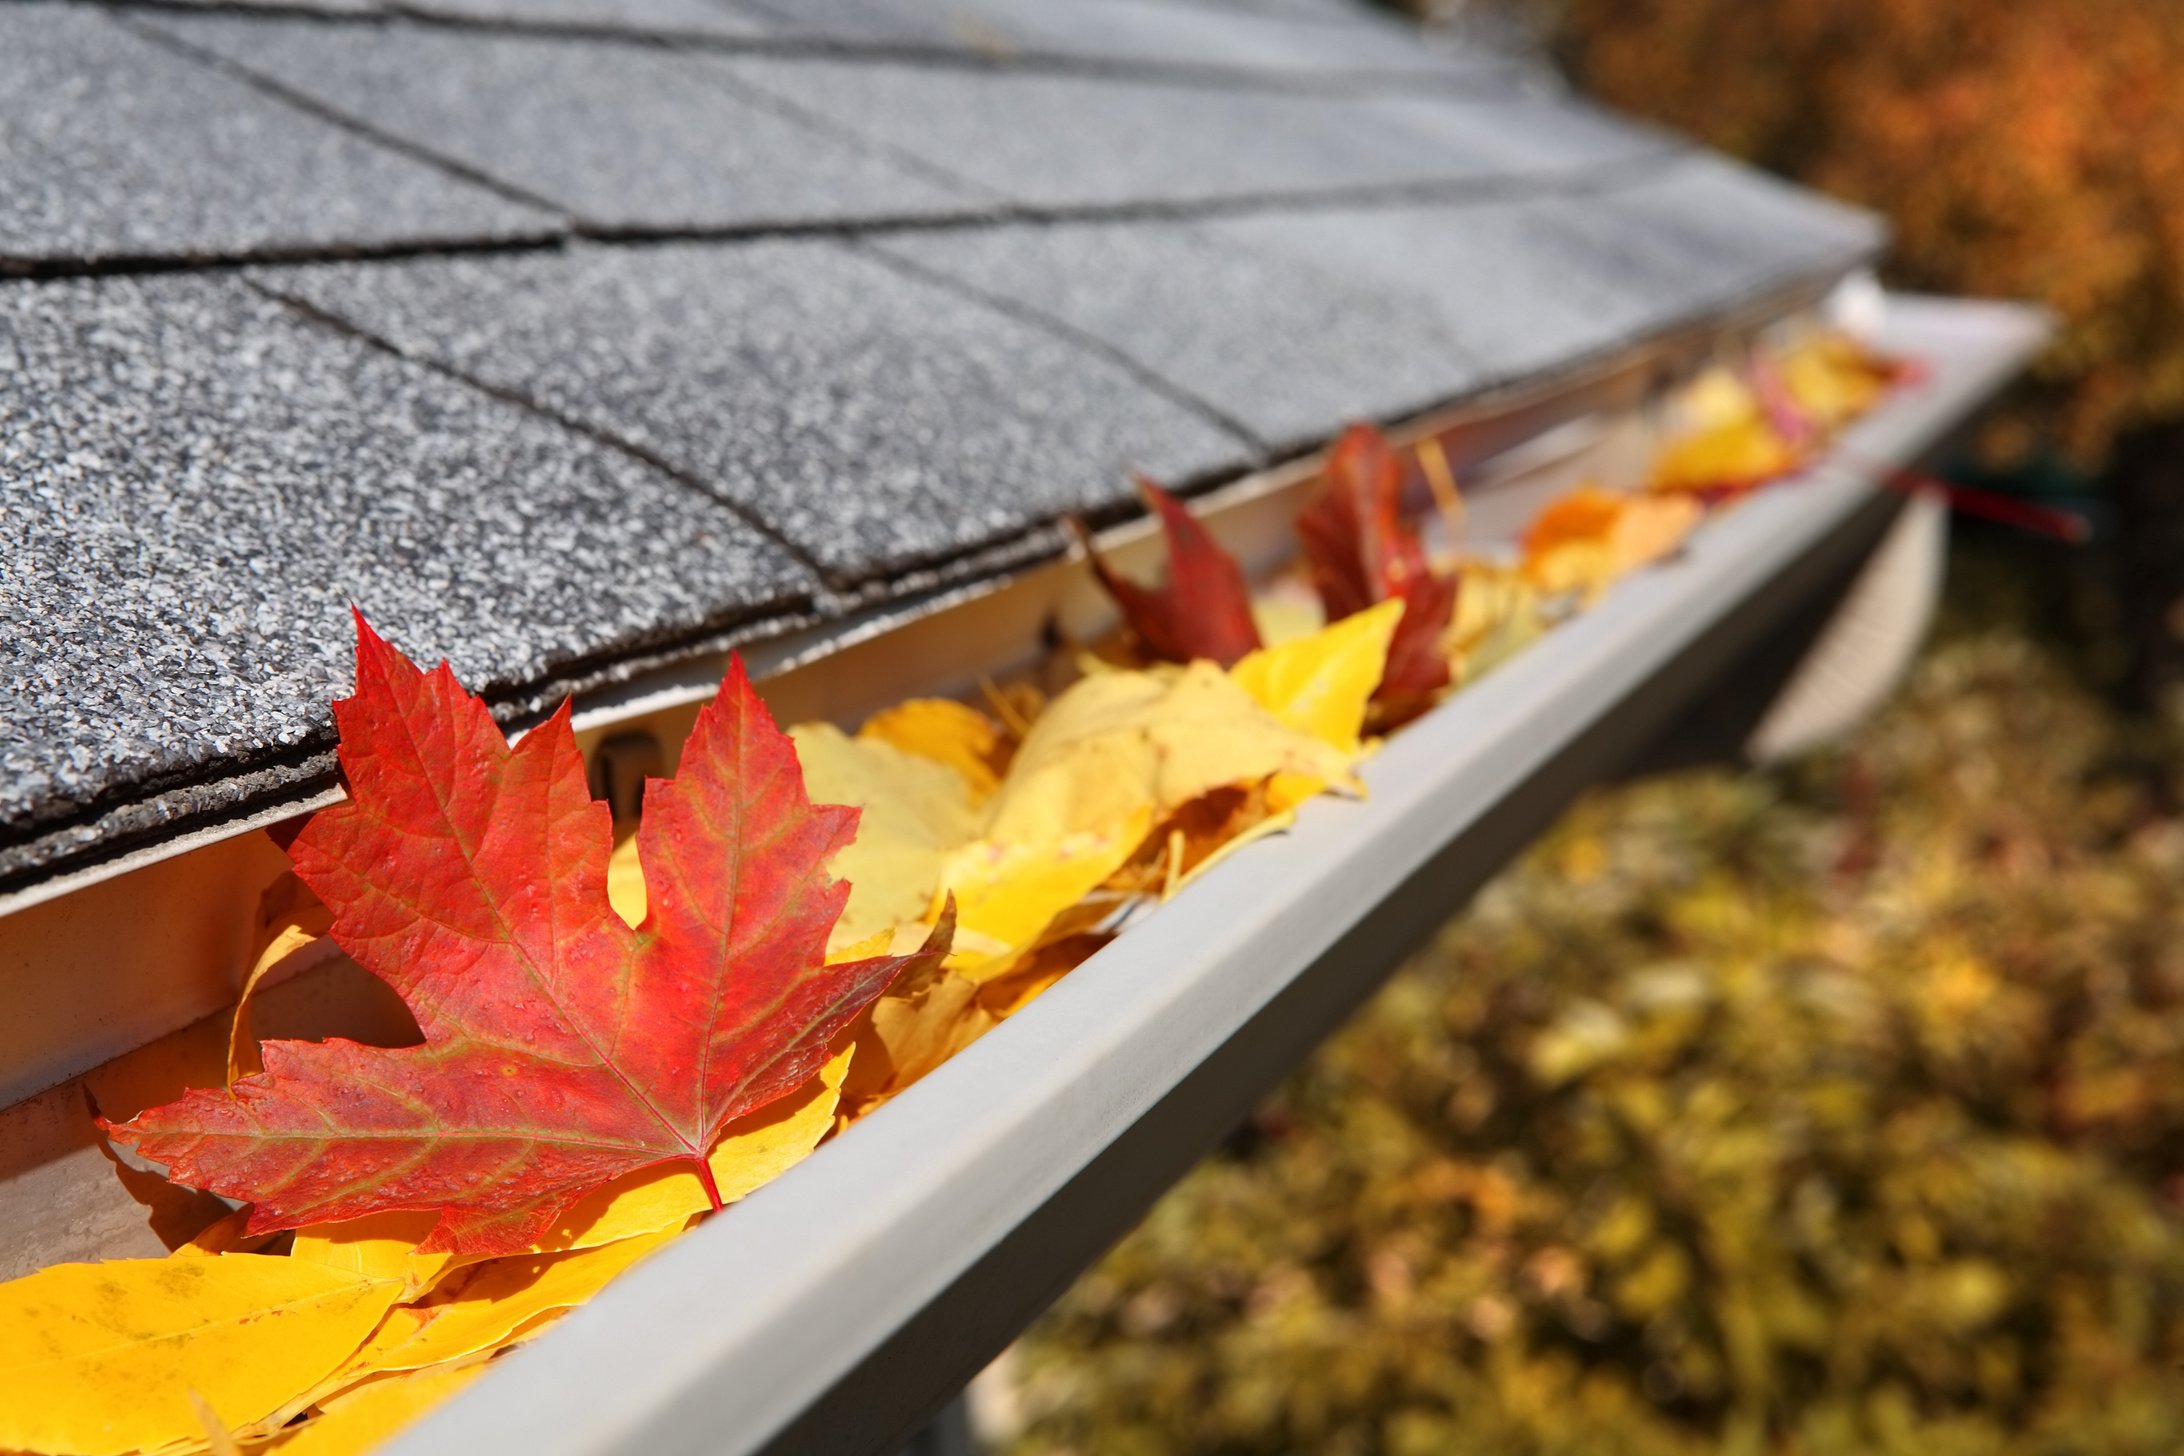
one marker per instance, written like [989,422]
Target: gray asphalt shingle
[879,421]
[113,147]
[1280,344]
[1292,324]
[623,136]
[599,457]
[1122,32]
[1076,141]
[198,482]
[709,19]
[1532,286]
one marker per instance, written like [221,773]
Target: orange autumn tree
[2030,150]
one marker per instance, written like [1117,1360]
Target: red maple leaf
[1360,553]
[1202,610]
[562,1048]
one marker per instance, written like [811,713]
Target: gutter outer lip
[728,1338]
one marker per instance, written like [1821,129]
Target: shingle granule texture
[196,483]
[113,147]
[1155,32]
[710,19]
[574,338]
[1292,324]
[1285,347]
[1053,140]
[879,421]
[622,135]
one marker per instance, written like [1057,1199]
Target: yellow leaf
[1124,742]
[910,1031]
[381,1246]
[948,732]
[292,927]
[626,881]
[1833,379]
[1497,613]
[1321,684]
[1733,457]
[99,1359]
[1586,540]
[1007,894]
[492,1302]
[1008,995]
[915,810]
[360,1419]
[229,1234]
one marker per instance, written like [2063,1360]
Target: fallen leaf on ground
[1201,611]
[563,1049]
[100,1359]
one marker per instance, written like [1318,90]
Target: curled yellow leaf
[1321,683]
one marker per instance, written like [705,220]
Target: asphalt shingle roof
[605,333]
[620,135]
[877,421]
[113,147]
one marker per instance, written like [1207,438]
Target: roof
[568,338]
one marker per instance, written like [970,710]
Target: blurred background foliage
[1832,1110]
[2029,149]
[2032,149]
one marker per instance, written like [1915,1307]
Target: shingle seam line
[1496,76]
[1056,327]
[310,105]
[606,438]
[794,112]
[515,703]
[1590,179]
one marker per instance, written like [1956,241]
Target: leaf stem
[705,1180]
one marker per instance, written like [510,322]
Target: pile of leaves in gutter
[1830,1112]
[619,1030]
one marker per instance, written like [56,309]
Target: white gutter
[838,1306]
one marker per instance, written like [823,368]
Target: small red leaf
[562,1048]
[1202,610]
[1360,553]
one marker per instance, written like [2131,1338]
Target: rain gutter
[838,1307]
